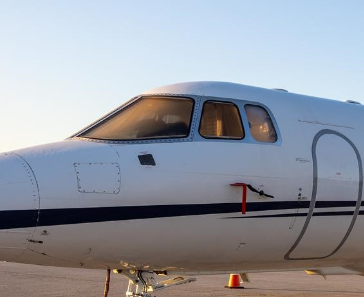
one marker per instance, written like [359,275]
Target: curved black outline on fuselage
[314,193]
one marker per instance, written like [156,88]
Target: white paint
[198,172]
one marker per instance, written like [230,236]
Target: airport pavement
[36,281]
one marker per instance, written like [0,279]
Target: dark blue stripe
[12,219]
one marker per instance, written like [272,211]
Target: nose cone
[19,205]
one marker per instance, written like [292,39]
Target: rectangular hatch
[102,178]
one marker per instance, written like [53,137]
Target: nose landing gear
[143,283]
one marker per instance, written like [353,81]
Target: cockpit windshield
[146,118]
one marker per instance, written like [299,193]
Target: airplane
[193,179]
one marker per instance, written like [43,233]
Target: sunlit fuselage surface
[157,185]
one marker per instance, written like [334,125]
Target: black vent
[146,160]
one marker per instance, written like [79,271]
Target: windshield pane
[147,118]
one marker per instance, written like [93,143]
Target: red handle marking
[243,203]
[243,210]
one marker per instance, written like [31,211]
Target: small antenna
[353,102]
[282,90]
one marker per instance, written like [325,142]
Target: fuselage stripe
[12,219]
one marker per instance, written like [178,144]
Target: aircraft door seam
[314,194]
[36,189]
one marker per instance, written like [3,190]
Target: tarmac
[19,280]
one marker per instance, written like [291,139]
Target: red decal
[243,202]
[243,210]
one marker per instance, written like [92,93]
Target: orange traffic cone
[234,282]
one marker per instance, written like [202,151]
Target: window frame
[223,137]
[270,117]
[194,135]
[250,137]
[188,137]
[240,103]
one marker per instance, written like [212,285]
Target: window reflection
[221,120]
[260,124]
[147,118]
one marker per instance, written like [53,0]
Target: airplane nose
[19,205]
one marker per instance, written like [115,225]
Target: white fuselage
[89,203]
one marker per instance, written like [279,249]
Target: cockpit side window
[260,124]
[147,118]
[221,120]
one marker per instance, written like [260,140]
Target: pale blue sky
[65,63]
